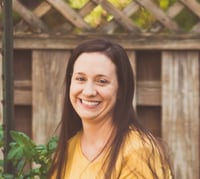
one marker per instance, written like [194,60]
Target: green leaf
[164,4]
[52,144]
[7,176]
[23,144]
[77,4]
[1,164]
[23,152]
[1,136]
[20,165]
[16,152]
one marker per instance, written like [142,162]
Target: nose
[89,89]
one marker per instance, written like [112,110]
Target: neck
[97,131]
[96,137]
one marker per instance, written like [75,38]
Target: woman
[100,136]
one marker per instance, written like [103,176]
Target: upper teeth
[90,102]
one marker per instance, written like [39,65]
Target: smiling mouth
[89,103]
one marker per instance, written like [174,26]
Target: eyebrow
[97,75]
[79,73]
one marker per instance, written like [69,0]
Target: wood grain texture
[180,110]
[48,86]
[70,14]
[23,92]
[172,12]
[132,58]
[39,11]
[1,98]
[33,21]
[124,19]
[42,9]
[119,16]
[112,25]
[148,93]
[1,91]
[193,5]
[159,15]
[129,41]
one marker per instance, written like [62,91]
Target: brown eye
[102,81]
[80,79]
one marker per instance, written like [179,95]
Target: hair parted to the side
[124,115]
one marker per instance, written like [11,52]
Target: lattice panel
[64,19]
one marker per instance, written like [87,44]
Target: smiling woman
[100,136]
[93,91]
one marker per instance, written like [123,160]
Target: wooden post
[1,91]
[132,58]
[180,110]
[1,99]
[8,81]
[48,73]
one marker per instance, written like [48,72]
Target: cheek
[74,90]
[110,94]
[71,93]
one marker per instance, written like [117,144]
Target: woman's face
[94,86]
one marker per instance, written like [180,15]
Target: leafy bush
[24,153]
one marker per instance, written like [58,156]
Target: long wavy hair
[124,115]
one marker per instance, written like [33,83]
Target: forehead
[94,62]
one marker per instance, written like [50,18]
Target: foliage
[76,4]
[1,145]
[24,153]
[143,18]
[98,16]
[186,20]
[1,136]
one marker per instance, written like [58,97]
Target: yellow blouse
[132,162]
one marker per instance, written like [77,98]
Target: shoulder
[142,145]
[137,141]
[142,154]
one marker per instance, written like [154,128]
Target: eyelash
[80,78]
[99,81]
[102,81]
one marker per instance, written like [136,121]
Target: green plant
[1,145]
[29,160]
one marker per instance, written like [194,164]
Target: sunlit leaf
[164,4]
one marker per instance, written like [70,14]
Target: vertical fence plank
[1,91]
[180,110]
[1,98]
[132,58]
[48,70]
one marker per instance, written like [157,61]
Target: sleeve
[144,162]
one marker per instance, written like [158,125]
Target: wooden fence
[166,67]
[38,16]
[167,94]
